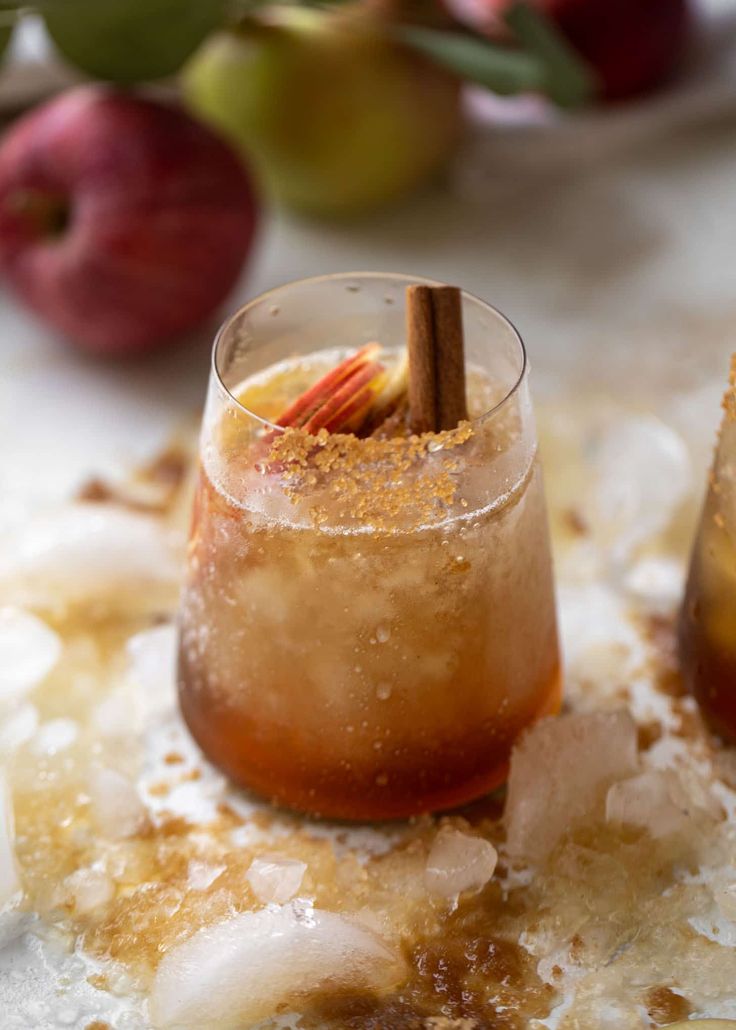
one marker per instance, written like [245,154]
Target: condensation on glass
[356,665]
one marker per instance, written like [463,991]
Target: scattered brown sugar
[98,1024]
[689,720]
[577,948]
[647,734]
[96,491]
[664,1006]
[661,633]
[152,489]
[173,758]
[372,480]
[159,790]
[168,469]
[474,977]
[575,522]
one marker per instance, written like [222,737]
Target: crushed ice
[152,669]
[29,650]
[116,804]
[458,862]
[560,771]
[86,550]
[273,878]
[245,968]
[641,475]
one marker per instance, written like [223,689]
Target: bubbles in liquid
[383,691]
[383,633]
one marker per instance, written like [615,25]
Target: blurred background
[162,161]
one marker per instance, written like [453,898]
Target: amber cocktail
[368,622]
[708,617]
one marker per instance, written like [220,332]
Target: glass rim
[409,280]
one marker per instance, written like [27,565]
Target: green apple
[130,40]
[336,118]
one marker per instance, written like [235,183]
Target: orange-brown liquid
[372,665]
[367,677]
[708,622]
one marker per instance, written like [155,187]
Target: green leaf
[568,79]
[7,23]
[130,40]
[499,69]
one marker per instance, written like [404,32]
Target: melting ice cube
[86,550]
[725,897]
[648,801]
[89,889]
[276,879]
[28,652]
[459,862]
[116,804]
[641,475]
[10,885]
[152,667]
[201,875]
[246,967]
[54,736]
[17,728]
[559,774]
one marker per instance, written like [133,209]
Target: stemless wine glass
[707,625]
[366,626]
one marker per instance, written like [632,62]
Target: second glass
[367,625]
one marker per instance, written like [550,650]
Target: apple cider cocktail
[708,617]
[368,620]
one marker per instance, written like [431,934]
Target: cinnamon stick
[449,357]
[421,345]
[436,358]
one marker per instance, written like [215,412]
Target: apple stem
[46,213]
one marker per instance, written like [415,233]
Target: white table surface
[617,264]
[619,271]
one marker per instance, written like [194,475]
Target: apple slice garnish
[308,404]
[392,391]
[358,393]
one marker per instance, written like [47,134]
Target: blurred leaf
[568,79]
[498,68]
[7,23]
[130,40]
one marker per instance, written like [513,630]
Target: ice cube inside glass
[367,625]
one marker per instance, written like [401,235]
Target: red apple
[632,45]
[123,222]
